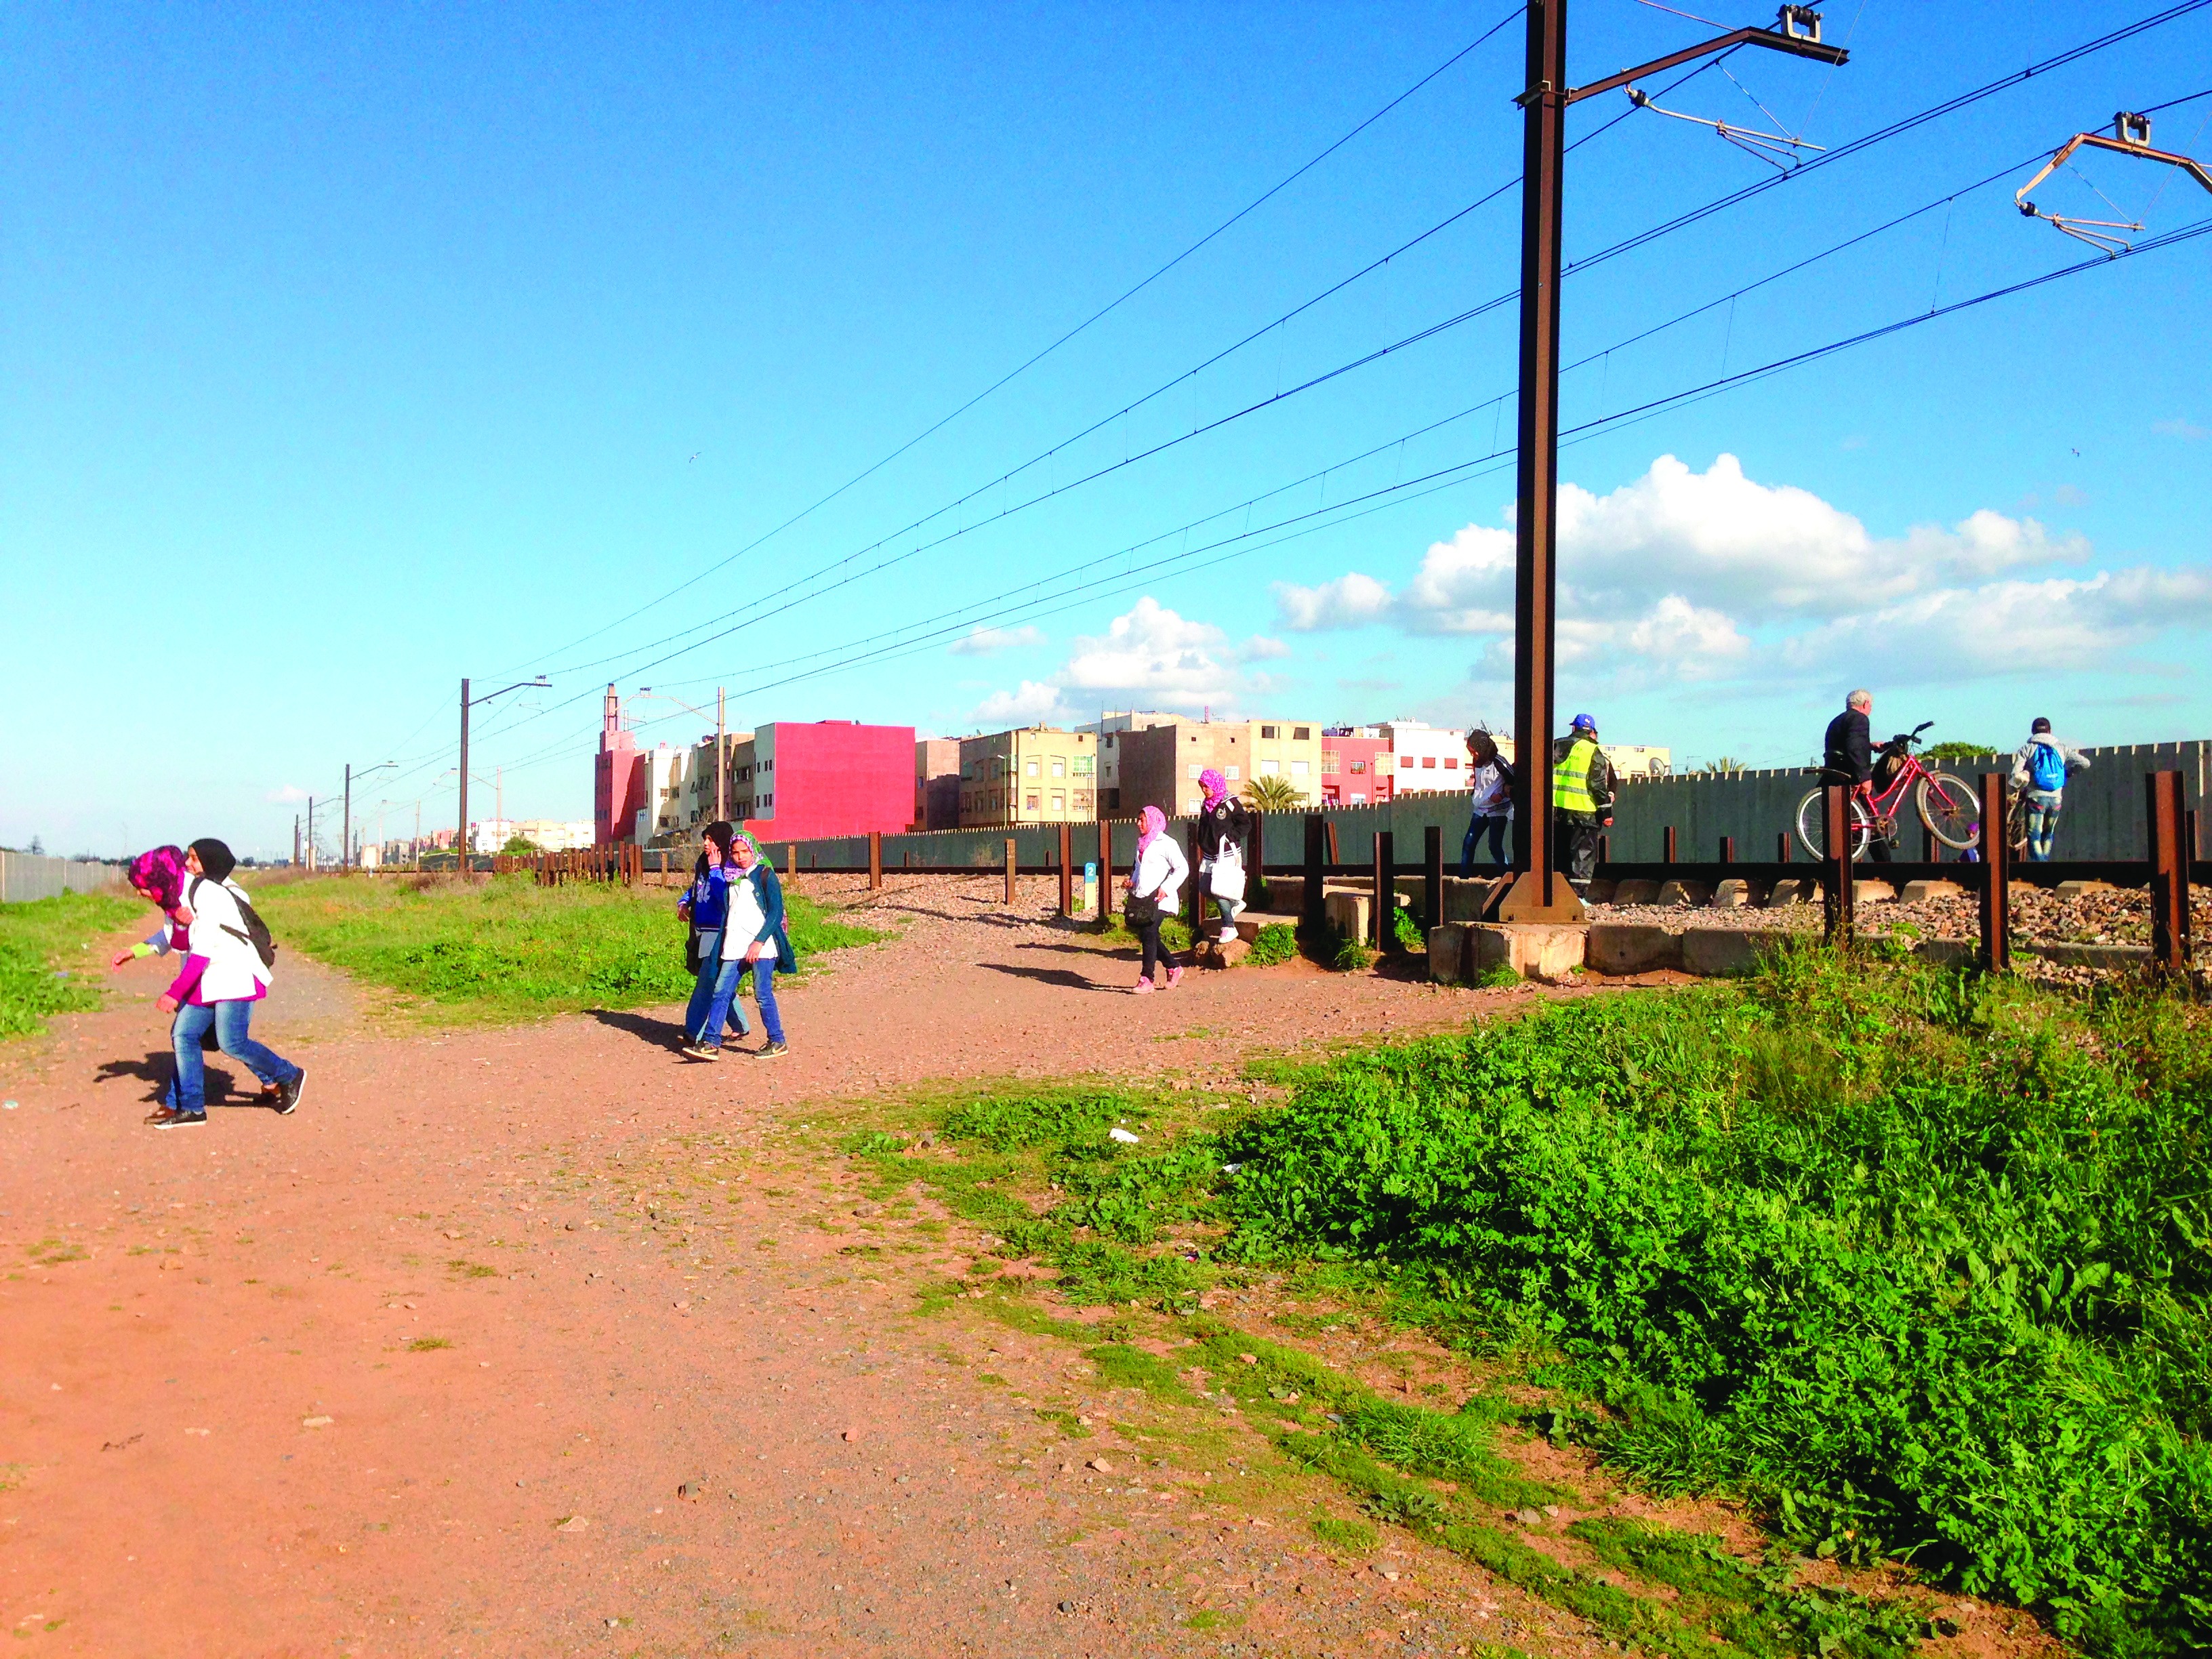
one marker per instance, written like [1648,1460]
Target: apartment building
[937,783]
[1357,765]
[1031,774]
[1425,758]
[1290,749]
[799,780]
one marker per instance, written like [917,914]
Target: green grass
[47,964]
[1916,1262]
[502,948]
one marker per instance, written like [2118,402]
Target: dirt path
[422,1369]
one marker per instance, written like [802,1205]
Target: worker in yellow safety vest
[1582,788]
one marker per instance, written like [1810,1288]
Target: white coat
[1160,871]
[234,971]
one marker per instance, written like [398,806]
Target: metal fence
[25,876]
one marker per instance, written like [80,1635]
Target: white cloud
[2181,429]
[1350,601]
[1686,576]
[289,794]
[1031,703]
[1149,657]
[986,641]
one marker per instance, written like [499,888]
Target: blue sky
[349,351]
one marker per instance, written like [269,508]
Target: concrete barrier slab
[1792,890]
[1637,891]
[1732,894]
[1447,953]
[1545,952]
[1916,890]
[1726,953]
[1622,947]
[1683,894]
[1348,913]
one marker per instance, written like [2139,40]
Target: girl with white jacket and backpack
[222,977]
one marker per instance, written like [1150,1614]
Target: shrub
[1919,1262]
[1277,941]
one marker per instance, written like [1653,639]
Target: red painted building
[1355,771]
[802,781]
[618,779]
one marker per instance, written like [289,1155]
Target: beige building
[1032,775]
[1159,764]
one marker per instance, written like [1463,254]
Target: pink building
[1355,771]
[802,781]
[618,778]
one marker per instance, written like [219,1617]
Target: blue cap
[1582,722]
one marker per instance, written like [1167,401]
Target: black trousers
[1574,844]
[1157,955]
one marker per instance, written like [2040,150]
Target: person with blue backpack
[2040,767]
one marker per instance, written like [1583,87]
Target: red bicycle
[1947,805]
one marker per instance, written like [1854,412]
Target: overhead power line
[1364,360]
[1112,306]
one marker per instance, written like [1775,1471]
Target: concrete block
[1872,892]
[1348,913]
[1684,895]
[1732,894]
[1546,952]
[1724,953]
[1466,898]
[2113,958]
[2074,890]
[1948,952]
[1636,892]
[1792,890]
[1599,892]
[1916,890]
[1447,953]
[1621,947]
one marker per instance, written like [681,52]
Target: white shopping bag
[1226,878]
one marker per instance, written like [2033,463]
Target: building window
[1029,769]
[1331,761]
[1195,768]
[1452,762]
[1405,762]
[1299,769]
[1268,768]
[1084,764]
[1059,766]
[1359,766]
[1030,801]
[1058,800]
[1232,773]
[1301,733]
[1083,800]
[1270,730]
[1428,762]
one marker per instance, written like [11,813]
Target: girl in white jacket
[1156,885]
[222,977]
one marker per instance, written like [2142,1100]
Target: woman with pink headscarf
[1154,888]
[1224,827]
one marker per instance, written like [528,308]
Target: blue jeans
[1477,827]
[725,991]
[718,980]
[2042,823]
[232,1023]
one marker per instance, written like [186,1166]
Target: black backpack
[257,931]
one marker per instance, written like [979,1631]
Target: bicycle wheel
[1811,833]
[1952,812]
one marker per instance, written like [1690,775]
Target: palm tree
[1726,764]
[1272,794]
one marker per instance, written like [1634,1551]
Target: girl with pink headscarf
[1224,828]
[1155,883]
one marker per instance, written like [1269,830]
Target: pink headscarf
[1150,823]
[159,875]
[1215,784]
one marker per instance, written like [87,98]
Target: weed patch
[46,963]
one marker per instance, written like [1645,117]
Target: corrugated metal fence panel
[26,876]
[2103,816]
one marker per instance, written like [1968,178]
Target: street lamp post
[467,703]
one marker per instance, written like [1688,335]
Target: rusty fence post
[1194,902]
[1432,878]
[1066,871]
[1255,864]
[1728,850]
[875,859]
[1667,855]
[1386,890]
[1012,868]
[1837,891]
[1782,846]
[1312,911]
[2169,876]
[1996,879]
[1330,824]
[1105,873]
